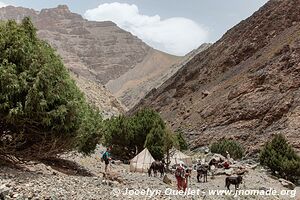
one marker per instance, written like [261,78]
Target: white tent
[141,162]
[177,156]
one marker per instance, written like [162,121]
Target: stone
[167,180]
[229,171]
[287,184]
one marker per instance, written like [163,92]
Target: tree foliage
[182,144]
[119,134]
[235,149]
[280,157]
[128,135]
[42,112]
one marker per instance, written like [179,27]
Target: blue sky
[174,26]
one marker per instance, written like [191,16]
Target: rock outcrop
[244,87]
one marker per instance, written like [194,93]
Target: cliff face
[98,51]
[245,86]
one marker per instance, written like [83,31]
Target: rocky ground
[78,177]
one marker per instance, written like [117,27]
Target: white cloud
[176,35]
[3,4]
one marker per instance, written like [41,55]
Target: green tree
[128,135]
[119,134]
[170,141]
[235,149]
[155,142]
[42,112]
[280,157]
[182,144]
[143,121]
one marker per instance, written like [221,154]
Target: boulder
[219,172]
[229,171]
[287,184]
[167,180]
[241,171]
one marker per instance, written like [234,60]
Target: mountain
[99,96]
[96,51]
[154,70]
[244,87]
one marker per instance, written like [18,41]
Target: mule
[236,181]
[156,166]
[202,171]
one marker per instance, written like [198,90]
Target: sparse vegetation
[42,112]
[280,157]
[235,149]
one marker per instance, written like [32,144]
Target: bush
[235,150]
[129,135]
[280,157]
[42,112]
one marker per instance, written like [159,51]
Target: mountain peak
[63,7]
[61,11]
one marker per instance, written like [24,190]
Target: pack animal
[236,181]
[202,170]
[156,166]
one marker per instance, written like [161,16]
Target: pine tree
[155,142]
[280,157]
[42,112]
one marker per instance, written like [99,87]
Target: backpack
[104,157]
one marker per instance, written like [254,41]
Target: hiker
[106,158]
[180,176]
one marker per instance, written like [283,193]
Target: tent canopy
[141,162]
[177,156]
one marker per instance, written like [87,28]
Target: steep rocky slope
[245,86]
[99,96]
[97,51]
[154,70]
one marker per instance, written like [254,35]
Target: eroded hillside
[245,86]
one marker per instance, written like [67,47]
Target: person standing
[180,176]
[106,158]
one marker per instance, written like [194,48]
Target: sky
[173,26]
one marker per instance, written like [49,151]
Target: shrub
[42,112]
[128,135]
[235,150]
[280,157]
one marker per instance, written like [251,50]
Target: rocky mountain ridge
[97,51]
[244,87]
